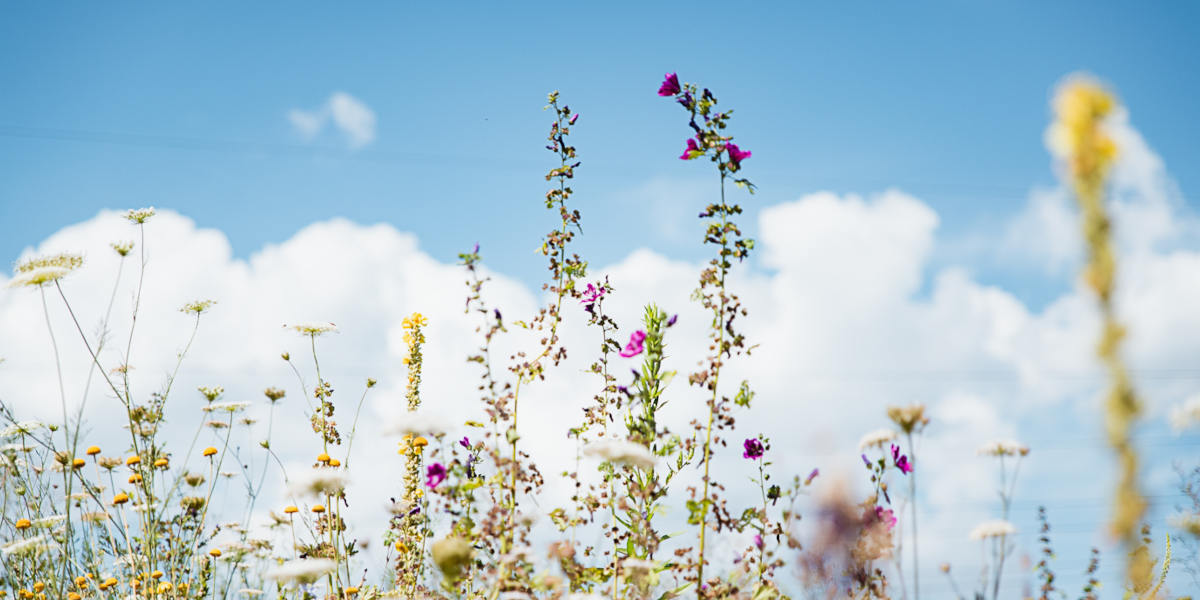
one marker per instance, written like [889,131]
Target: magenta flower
[886,515]
[592,294]
[692,150]
[435,474]
[737,155]
[465,442]
[901,460]
[574,117]
[758,541]
[670,85]
[634,347]
[754,449]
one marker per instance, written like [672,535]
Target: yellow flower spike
[350,591]
[317,508]
[333,462]
[23,524]
[290,510]
[215,553]
[400,547]
[81,581]
[135,478]
[78,463]
[164,587]
[420,442]
[157,574]
[161,463]
[133,460]
[74,596]
[38,587]
[209,451]
[119,499]
[323,458]
[111,581]
[93,450]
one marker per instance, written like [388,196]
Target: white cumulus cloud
[347,114]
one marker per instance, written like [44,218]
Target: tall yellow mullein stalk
[1087,152]
[411,538]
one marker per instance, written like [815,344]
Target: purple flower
[758,541]
[901,460]
[670,85]
[476,249]
[686,100]
[866,462]
[812,476]
[634,347]
[465,442]
[435,474]
[737,155]
[754,449]
[671,321]
[692,147]
[574,117]
[590,297]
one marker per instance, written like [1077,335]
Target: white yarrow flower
[992,529]
[622,452]
[877,439]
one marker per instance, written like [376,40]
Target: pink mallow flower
[901,460]
[670,85]
[886,515]
[692,150]
[634,347]
[753,448]
[737,155]
[435,474]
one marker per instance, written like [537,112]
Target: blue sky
[186,108]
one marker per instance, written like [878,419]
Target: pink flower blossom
[634,347]
[737,155]
[435,474]
[886,515]
[670,85]
[901,460]
[753,448]
[692,150]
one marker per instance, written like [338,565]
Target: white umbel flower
[992,529]
[877,439]
[302,571]
[230,407]
[22,427]
[313,328]
[26,546]
[622,452]
[1004,448]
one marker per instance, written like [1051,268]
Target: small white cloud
[349,115]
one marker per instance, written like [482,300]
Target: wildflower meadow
[593,443]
